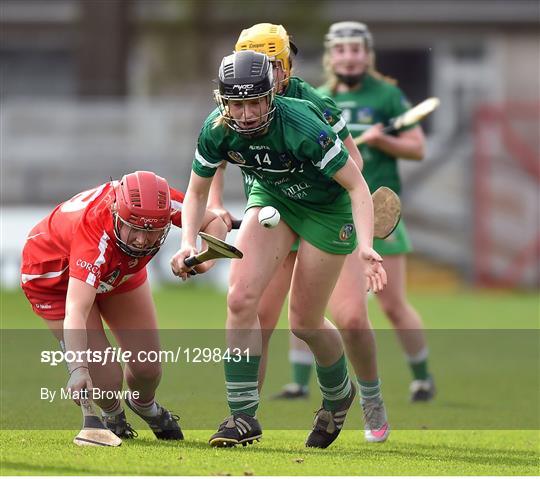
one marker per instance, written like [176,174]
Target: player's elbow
[359,162]
[214,225]
[418,152]
[420,155]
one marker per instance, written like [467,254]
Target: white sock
[420,356]
[115,409]
[145,409]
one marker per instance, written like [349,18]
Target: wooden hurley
[94,432]
[387,212]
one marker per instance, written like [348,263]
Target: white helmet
[348,32]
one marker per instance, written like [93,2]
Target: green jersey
[377,101]
[298,88]
[295,159]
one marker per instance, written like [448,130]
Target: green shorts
[247,188]
[332,231]
[397,243]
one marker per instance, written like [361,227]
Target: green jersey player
[368,101]
[349,311]
[302,169]
[274,41]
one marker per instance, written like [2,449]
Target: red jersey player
[86,261]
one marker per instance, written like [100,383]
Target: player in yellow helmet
[273,41]
[350,314]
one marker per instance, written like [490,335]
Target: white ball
[269,217]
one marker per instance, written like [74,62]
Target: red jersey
[77,240]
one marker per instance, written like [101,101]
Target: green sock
[242,380]
[334,383]
[420,369]
[369,389]
[301,373]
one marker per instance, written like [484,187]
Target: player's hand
[177,261]
[372,135]
[204,267]
[375,273]
[222,213]
[79,380]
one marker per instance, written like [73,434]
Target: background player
[369,100]
[302,169]
[86,263]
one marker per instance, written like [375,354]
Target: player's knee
[268,317]
[301,333]
[108,377]
[394,310]
[240,300]
[303,322]
[352,320]
[301,328]
[146,371]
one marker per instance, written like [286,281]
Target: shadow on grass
[21,468]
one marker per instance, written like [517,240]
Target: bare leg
[133,321]
[348,306]
[393,301]
[270,307]
[107,377]
[315,274]
[264,250]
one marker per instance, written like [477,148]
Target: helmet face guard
[150,239]
[266,111]
[142,216]
[246,78]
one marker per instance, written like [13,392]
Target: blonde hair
[332,81]
[218,121]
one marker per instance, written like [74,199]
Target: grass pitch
[281,452]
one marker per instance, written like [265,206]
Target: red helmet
[143,210]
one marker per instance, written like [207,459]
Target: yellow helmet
[271,40]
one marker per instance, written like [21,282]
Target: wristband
[78,367]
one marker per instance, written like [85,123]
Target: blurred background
[97,88]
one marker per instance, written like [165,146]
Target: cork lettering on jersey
[91,267]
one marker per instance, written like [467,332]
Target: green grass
[188,306]
[279,453]
[488,376]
